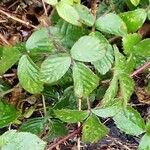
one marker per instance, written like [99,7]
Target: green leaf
[85,81]
[144,143]
[8,114]
[111,23]
[71,116]
[135,2]
[56,129]
[104,64]
[68,100]
[51,2]
[54,67]
[28,74]
[123,65]
[126,86]
[110,110]
[20,141]
[70,33]
[85,15]
[40,41]
[142,48]
[71,17]
[9,56]
[134,19]
[93,130]
[87,49]
[111,92]
[34,125]
[130,121]
[129,41]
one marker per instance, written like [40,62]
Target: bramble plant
[65,64]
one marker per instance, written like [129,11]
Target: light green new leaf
[34,125]
[144,143]
[85,81]
[40,41]
[126,86]
[109,111]
[28,74]
[9,56]
[142,48]
[8,114]
[111,92]
[129,41]
[87,49]
[129,119]
[51,2]
[85,14]
[93,130]
[71,116]
[68,13]
[134,19]
[21,141]
[54,67]
[111,23]
[135,2]
[104,64]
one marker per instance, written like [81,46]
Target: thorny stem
[79,124]
[141,69]
[44,105]
[88,103]
[93,10]
[77,131]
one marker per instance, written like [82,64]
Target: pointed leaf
[134,19]
[135,2]
[111,23]
[129,41]
[34,125]
[87,49]
[129,119]
[93,130]
[85,81]
[54,67]
[104,64]
[8,114]
[40,41]
[71,116]
[111,92]
[71,17]
[126,86]
[85,14]
[9,56]
[21,141]
[109,111]
[142,48]
[28,74]
[144,143]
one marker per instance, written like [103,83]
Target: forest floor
[18,19]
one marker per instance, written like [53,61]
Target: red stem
[53,145]
[141,69]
